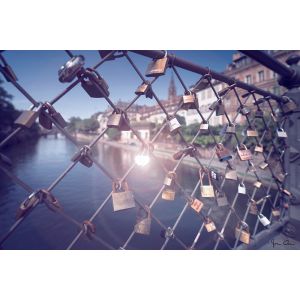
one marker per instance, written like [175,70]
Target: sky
[37,72]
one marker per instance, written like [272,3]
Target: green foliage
[85,125]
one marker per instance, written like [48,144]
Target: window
[248,79]
[261,76]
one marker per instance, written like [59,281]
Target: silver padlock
[143,222]
[204,126]
[263,220]
[221,199]
[27,118]
[122,197]
[281,133]
[242,189]
[174,125]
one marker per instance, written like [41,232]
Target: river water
[82,191]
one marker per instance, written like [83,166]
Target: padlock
[189,101]
[27,118]
[221,198]
[281,133]
[204,126]
[214,175]
[245,110]
[220,109]
[122,197]
[263,220]
[289,105]
[263,165]
[94,84]
[230,174]
[30,202]
[143,221]
[196,205]
[225,90]
[276,212]
[257,184]
[169,233]
[119,120]
[169,179]
[4,159]
[259,148]
[8,73]
[168,194]
[244,153]
[82,156]
[242,234]
[71,68]
[242,188]
[50,201]
[88,228]
[251,167]
[157,67]
[286,192]
[174,125]
[209,224]
[222,152]
[207,191]
[144,89]
[230,129]
[253,210]
[44,119]
[202,83]
[58,118]
[259,113]
[252,132]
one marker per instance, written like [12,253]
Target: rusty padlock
[71,69]
[244,153]
[168,194]
[50,201]
[222,152]
[94,84]
[157,67]
[143,221]
[206,190]
[122,197]
[30,202]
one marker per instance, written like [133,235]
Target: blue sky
[37,73]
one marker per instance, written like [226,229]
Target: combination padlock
[122,197]
[157,67]
[71,69]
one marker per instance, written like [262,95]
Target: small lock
[257,184]
[30,202]
[50,201]
[206,190]
[281,133]
[189,101]
[143,222]
[157,67]
[144,89]
[245,110]
[225,90]
[263,220]
[94,84]
[242,189]
[221,199]
[244,153]
[252,132]
[259,148]
[280,177]
[71,69]
[223,153]
[45,120]
[122,197]
[174,125]
[263,165]
[209,225]
[230,174]
[196,205]
[220,109]
[82,157]
[276,212]
[259,114]
[204,126]
[169,179]
[119,120]
[168,194]
[88,228]
[243,235]
[230,129]
[8,73]
[27,118]
[251,167]
[169,233]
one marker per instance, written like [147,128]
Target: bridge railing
[265,201]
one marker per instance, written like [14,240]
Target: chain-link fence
[260,182]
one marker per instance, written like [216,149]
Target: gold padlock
[259,148]
[275,212]
[209,225]
[157,67]
[207,191]
[196,205]
[242,234]
[252,132]
[168,194]
[257,184]
[244,153]
[189,101]
[263,165]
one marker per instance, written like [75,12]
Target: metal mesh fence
[260,185]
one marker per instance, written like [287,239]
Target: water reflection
[84,189]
